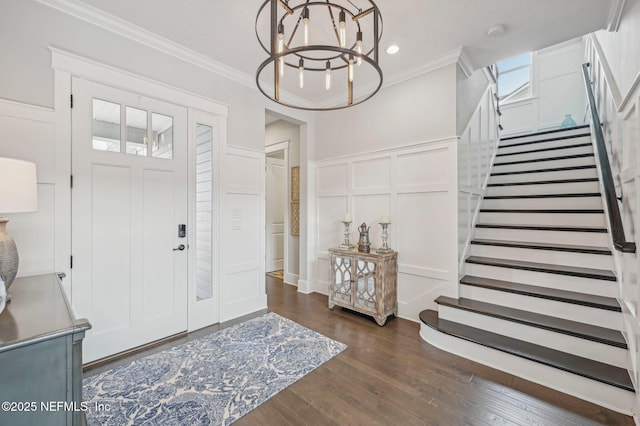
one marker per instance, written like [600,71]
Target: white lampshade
[18,186]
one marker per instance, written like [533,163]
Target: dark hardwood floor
[389,375]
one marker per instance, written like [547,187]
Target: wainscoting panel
[620,115]
[372,174]
[332,178]
[476,150]
[29,133]
[242,283]
[330,229]
[413,185]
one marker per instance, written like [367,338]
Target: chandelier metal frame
[325,58]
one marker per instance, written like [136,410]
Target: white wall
[395,154]
[615,71]
[556,90]
[30,131]
[281,131]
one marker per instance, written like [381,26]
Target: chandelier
[325,50]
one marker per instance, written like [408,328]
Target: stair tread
[595,229]
[548,132]
[601,372]
[552,169]
[543,211]
[540,160]
[560,325]
[565,296]
[544,182]
[576,271]
[552,148]
[543,246]
[567,195]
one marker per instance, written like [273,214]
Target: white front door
[276,188]
[129,198]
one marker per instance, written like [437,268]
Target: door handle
[180,247]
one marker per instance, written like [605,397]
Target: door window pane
[106,126]
[204,211]
[136,131]
[162,130]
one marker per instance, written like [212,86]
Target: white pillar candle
[385,218]
[347,217]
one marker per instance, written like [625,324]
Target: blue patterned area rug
[213,380]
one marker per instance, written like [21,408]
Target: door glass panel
[204,210]
[106,126]
[136,131]
[162,130]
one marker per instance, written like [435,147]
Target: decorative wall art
[294,216]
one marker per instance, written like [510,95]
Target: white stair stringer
[566,343]
[590,390]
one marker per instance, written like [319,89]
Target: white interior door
[276,175]
[129,161]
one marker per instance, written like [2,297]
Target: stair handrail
[615,219]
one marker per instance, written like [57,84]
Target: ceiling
[425,30]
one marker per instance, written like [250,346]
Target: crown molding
[615,15]
[465,62]
[118,26]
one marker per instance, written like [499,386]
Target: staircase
[539,296]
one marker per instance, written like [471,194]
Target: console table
[40,355]
[364,282]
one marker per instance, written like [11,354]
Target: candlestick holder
[385,246]
[346,244]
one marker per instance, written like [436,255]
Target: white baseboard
[291,279]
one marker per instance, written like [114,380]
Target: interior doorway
[282,165]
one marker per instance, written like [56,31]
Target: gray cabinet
[364,282]
[40,355]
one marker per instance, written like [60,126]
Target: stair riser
[571,162]
[529,177]
[564,219]
[594,239]
[528,156]
[544,203]
[551,188]
[570,311]
[544,279]
[566,343]
[553,257]
[587,389]
[504,149]
[554,135]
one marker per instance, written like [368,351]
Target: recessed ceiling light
[393,49]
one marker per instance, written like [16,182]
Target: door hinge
[71,181]
[71,100]
[71,262]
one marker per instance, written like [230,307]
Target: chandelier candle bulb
[359,47]
[327,76]
[350,68]
[305,20]
[343,29]
[301,72]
